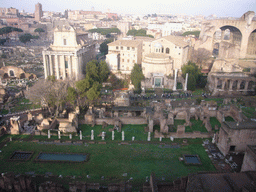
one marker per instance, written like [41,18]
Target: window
[232,148]
[128,48]
[117,47]
[133,61]
[175,47]
[122,60]
[179,53]
[167,51]
[128,60]
[65,41]
[122,48]
[133,49]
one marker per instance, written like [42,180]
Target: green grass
[111,160]
[22,107]
[229,119]
[129,131]
[249,112]
[197,125]
[214,121]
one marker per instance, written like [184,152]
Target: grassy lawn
[214,121]
[24,104]
[249,112]
[229,119]
[173,128]
[197,125]
[111,160]
[129,131]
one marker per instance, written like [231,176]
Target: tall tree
[103,71]
[137,76]
[195,77]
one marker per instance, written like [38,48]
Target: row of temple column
[60,67]
[228,84]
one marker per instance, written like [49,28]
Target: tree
[140,32]
[103,71]
[137,76]
[104,46]
[25,38]
[200,56]
[51,92]
[72,95]
[39,30]
[195,77]
[94,92]
[196,33]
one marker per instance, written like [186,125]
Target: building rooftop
[177,40]
[126,43]
[241,125]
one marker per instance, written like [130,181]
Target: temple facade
[67,56]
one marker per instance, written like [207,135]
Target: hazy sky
[233,8]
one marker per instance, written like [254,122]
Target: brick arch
[251,47]
[6,75]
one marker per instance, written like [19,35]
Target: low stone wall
[193,135]
[124,120]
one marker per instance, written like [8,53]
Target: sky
[221,8]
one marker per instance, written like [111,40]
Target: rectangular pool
[192,159]
[62,157]
[21,155]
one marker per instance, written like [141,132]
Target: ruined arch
[251,47]
[6,75]
[231,34]
[219,83]
[22,76]
[242,85]
[250,85]
[234,86]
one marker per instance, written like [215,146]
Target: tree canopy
[137,76]
[25,38]
[195,77]
[96,73]
[105,31]
[104,46]
[196,33]
[6,30]
[39,30]
[140,32]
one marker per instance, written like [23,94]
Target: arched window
[11,73]
[22,76]
[167,51]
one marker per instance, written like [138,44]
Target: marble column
[70,66]
[231,85]
[246,85]
[186,83]
[63,68]
[223,84]
[238,85]
[45,66]
[57,66]
[216,83]
[76,68]
[51,67]
[175,80]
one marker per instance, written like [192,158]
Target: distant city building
[38,12]
[9,12]
[123,54]
[67,56]
[158,58]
